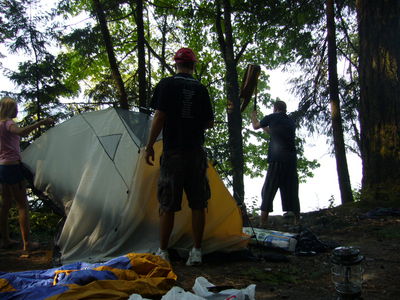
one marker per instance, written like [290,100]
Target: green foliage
[12,19]
[42,223]
[84,45]
[253,209]
[357,194]
[331,201]
[41,87]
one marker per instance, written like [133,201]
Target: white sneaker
[163,254]
[194,257]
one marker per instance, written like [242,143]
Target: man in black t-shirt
[183,112]
[282,162]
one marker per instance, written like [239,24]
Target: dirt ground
[279,275]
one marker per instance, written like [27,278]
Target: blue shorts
[183,171]
[11,174]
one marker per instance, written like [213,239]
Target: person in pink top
[11,179]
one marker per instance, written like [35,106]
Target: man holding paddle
[282,162]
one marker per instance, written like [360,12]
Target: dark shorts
[11,174]
[183,171]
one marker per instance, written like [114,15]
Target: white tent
[93,167]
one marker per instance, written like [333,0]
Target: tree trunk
[232,90]
[123,98]
[163,43]
[337,128]
[141,56]
[379,27]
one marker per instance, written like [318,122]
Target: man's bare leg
[264,219]
[296,220]
[198,223]
[166,226]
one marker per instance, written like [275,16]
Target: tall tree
[226,44]
[337,128]
[379,29]
[111,55]
[141,55]
[312,84]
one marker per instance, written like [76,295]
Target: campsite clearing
[300,277]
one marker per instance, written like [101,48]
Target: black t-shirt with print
[187,105]
[282,137]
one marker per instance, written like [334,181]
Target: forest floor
[279,275]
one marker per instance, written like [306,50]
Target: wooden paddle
[249,86]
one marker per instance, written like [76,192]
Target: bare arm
[256,123]
[254,120]
[156,127]
[24,131]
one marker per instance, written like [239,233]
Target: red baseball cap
[185,55]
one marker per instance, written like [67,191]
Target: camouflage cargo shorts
[183,171]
